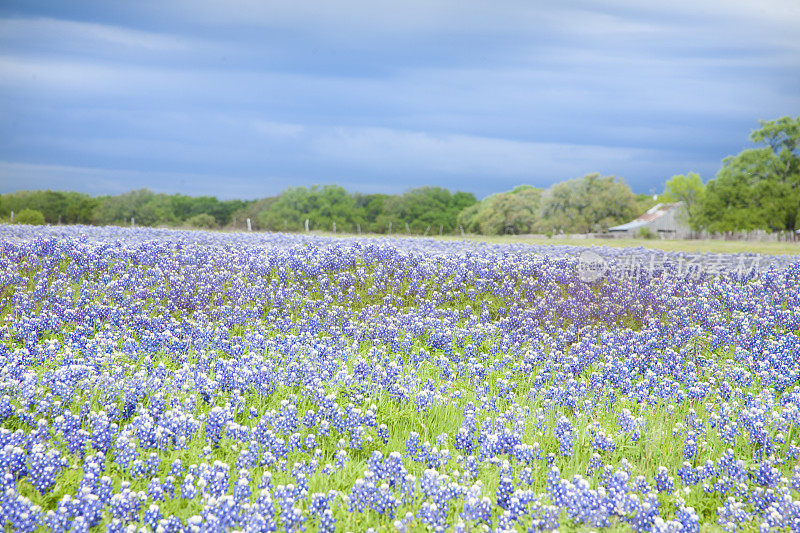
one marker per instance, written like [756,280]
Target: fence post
[359,228]
[390,228]
[440,230]
[408,230]
[306,225]
[249,227]
[462,230]
[133,222]
[427,230]
[12,217]
[334,227]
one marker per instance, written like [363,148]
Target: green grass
[716,246]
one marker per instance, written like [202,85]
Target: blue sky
[241,99]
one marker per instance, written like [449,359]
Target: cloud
[271,129]
[461,94]
[97,180]
[410,151]
[17,30]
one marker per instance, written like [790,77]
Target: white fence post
[12,217]
[390,228]
[334,227]
[306,225]
[359,228]
[249,226]
[133,222]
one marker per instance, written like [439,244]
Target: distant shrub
[203,220]
[646,233]
[29,216]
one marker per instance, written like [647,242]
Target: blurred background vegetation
[759,189]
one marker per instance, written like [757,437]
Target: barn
[667,221]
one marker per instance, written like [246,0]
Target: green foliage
[587,204]
[646,233]
[203,221]
[371,206]
[146,207]
[512,212]
[646,201]
[760,187]
[322,205]
[424,207]
[253,210]
[690,190]
[56,206]
[29,216]
[185,207]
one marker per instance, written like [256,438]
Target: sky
[242,99]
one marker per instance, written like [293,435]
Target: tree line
[757,189]
[591,203]
[425,209]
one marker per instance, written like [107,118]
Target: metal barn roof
[655,212]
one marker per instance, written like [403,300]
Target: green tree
[646,201]
[590,203]
[371,206]
[424,207]
[29,216]
[147,208]
[237,219]
[514,212]
[760,187]
[690,190]
[322,205]
[203,221]
[55,206]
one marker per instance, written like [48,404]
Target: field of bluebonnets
[190,381]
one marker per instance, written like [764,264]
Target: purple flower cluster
[191,381]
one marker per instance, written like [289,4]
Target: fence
[751,236]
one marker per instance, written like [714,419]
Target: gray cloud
[461,94]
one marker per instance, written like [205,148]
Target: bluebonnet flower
[664,482]
[157,326]
[565,435]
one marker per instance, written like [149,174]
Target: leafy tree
[30,216]
[253,210]
[147,208]
[55,206]
[203,221]
[514,212]
[322,205]
[590,203]
[690,190]
[80,208]
[424,207]
[184,207]
[646,201]
[371,206]
[760,187]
